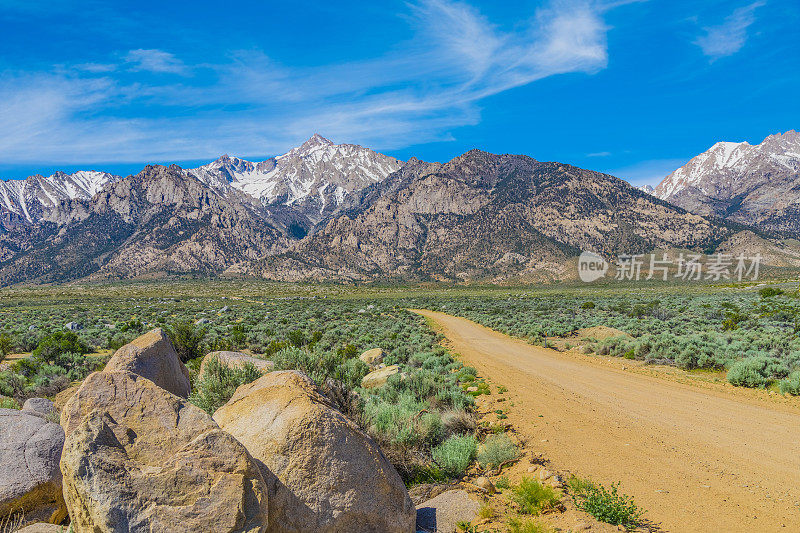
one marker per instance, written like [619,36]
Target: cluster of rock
[132,454]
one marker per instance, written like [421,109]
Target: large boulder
[30,481]
[378,378]
[324,474]
[138,458]
[235,360]
[152,356]
[443,513]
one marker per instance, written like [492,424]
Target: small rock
[544,474]
[532,469]
[378,378]
[72,326]
[445,511]
[485,484]
[583,526]
[472,389]
[225,309]
[373,357]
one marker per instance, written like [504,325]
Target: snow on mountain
[25,200]
[314,177]
[753,184]
[646,188]
[732,165]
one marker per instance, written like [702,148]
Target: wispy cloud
[729,37]
[251,105]
[154,61]
[599,154]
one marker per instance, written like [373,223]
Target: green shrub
[189,341]
[769,292]
[496,450]
[516,525]
[791,385]
[756,372]
[218,384]
[503,483]
[608,506]
[532,497]
[56,344]
[587,305]
[8,403]
[455,454]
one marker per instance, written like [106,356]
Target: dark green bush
[188,340]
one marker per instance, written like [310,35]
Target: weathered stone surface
[372,357]
[235,360]
[152,356]
[30,448]
[442,513]
[39,406]
[138,458]
[325,474]
[43,527]
[378,378]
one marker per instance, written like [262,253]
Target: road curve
[696,459]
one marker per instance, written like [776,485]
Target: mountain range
[324,211]
[752,184]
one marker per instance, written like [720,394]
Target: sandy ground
[696,457]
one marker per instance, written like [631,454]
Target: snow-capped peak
[317,175]
[726,163]
[25,199]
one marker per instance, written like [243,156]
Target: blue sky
[634,88]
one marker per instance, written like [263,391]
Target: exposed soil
[696,453]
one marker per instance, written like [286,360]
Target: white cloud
[253,106]
[729,37]
[599,154]
[154,61]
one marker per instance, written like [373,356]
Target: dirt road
[697,460]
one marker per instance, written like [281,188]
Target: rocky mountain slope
[26,201]
[326,211]
[485,216]
[312,180]
[752,184]
[158,221]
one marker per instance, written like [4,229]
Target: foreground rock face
[30,449]
[235,360]
[325,475]
[152,356]
[138,458]
[443,513]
